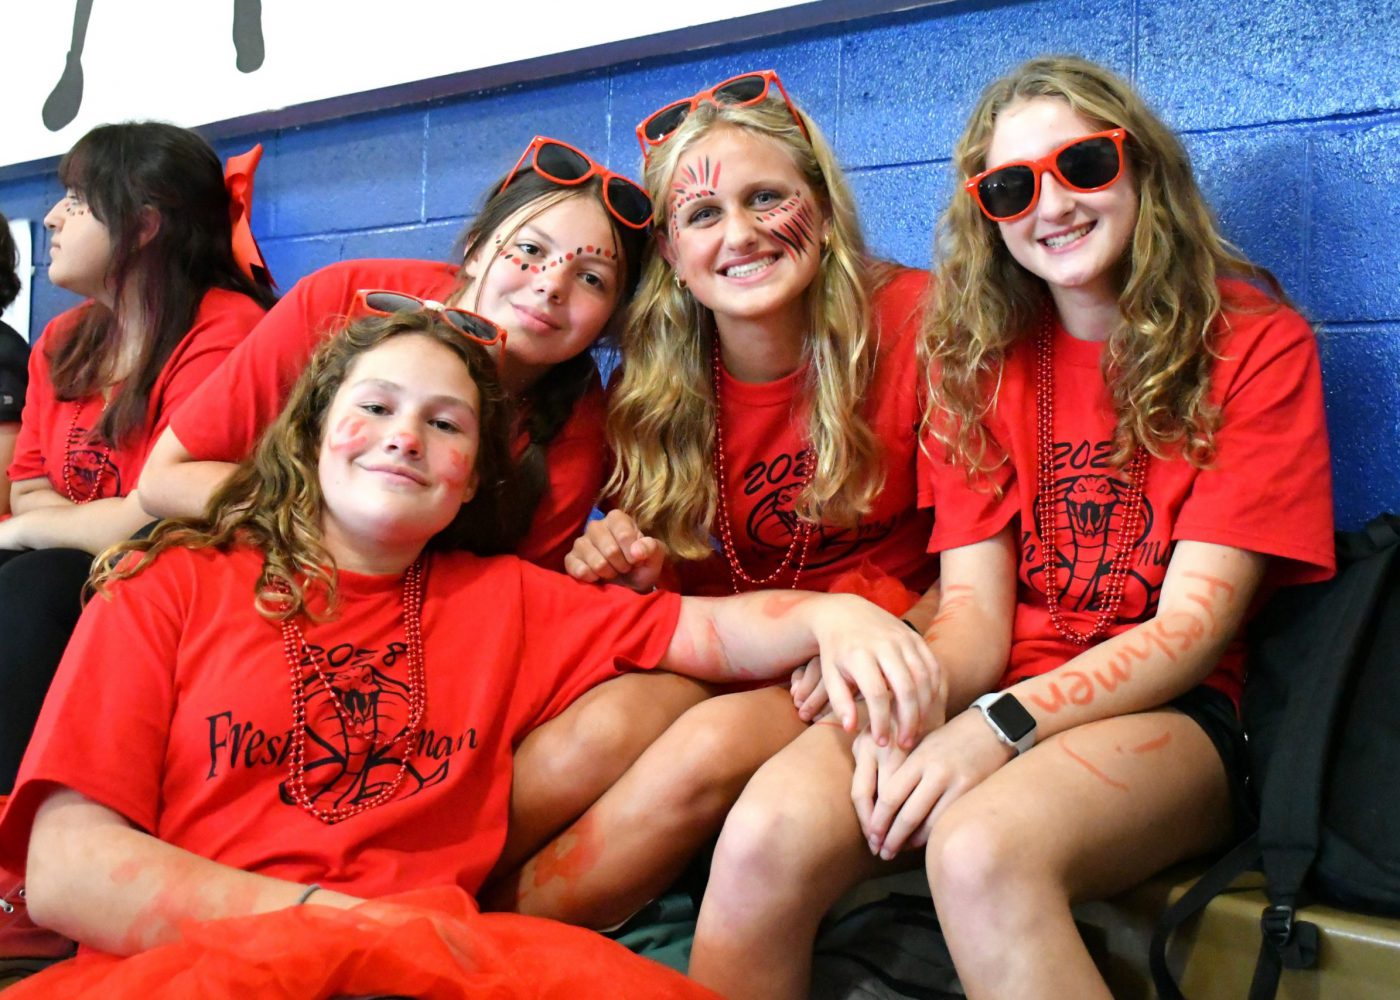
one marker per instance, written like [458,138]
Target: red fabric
[765,435]
[1268,489]
[172,707]
[248,391]
[221,323]
[430,944]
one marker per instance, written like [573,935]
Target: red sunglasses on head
[740,91]
[1089,163]
[557,161]
[377,302]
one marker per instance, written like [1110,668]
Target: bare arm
[45,520]
[174,483]
[764,634]
[971,633]
[100,881]
[1206,592]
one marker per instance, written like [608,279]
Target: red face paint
[348,435]
[1091,768]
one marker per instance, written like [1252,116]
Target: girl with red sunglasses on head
[322,686]
[144,234]
[1114,386]
[765,431]
[552,258]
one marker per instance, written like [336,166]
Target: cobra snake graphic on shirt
[350,752]
[1088,511]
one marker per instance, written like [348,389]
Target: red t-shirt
[1267,490]
[247,392]
[221,323]
[172,706]
[765,444]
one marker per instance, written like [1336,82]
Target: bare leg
[639,836]
[790,848]
[566,764]
[1087,813]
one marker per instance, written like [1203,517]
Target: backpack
[1321,710]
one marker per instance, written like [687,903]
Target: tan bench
[1214,954]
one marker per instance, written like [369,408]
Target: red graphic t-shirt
[1267,490]
[220,324]
[765,443]
[247,392]
[173,707]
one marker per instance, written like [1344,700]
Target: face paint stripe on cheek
[348,434]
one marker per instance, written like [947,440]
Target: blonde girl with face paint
[1112,385]
[764,427]
[322,689]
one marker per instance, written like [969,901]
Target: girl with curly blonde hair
[764,430]
[1112,383]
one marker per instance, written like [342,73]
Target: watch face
[1011,717]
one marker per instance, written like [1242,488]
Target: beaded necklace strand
[801,538]
[1131,506]
[297,649]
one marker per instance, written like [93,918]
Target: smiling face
[80,248]
[552,279]
[398,454]
[744,230]
[1072,240]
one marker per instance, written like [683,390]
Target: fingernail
[886,855]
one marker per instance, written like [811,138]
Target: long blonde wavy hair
[661,422]
[273,500]
[1158,360]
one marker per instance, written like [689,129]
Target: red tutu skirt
[432,944]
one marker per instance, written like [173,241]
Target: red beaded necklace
[296,648]
[70,486]
[1131,505]
[801,538]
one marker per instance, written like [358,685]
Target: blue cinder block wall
[1291,111]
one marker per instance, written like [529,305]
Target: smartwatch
[1009,719]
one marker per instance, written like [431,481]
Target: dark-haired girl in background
[144,232]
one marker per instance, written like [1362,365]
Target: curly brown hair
[273,500]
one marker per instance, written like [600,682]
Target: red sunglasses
[377,302]
[740,91]
[561,163]
[1089,163]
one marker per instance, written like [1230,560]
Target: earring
[680,282]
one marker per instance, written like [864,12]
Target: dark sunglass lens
[743,90]
[1008,191]
[471,324]
[629,201]
[560,162]
[665,121]
[392,302]
[1089,164]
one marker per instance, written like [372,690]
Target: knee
[972,860]
[768,854]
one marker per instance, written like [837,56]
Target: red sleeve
[223,322]
[578,634]
[969,509]
[577,465]
[38,414]
[105,722]
[1268,487]
[245,393]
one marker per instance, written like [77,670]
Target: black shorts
[1216,714]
